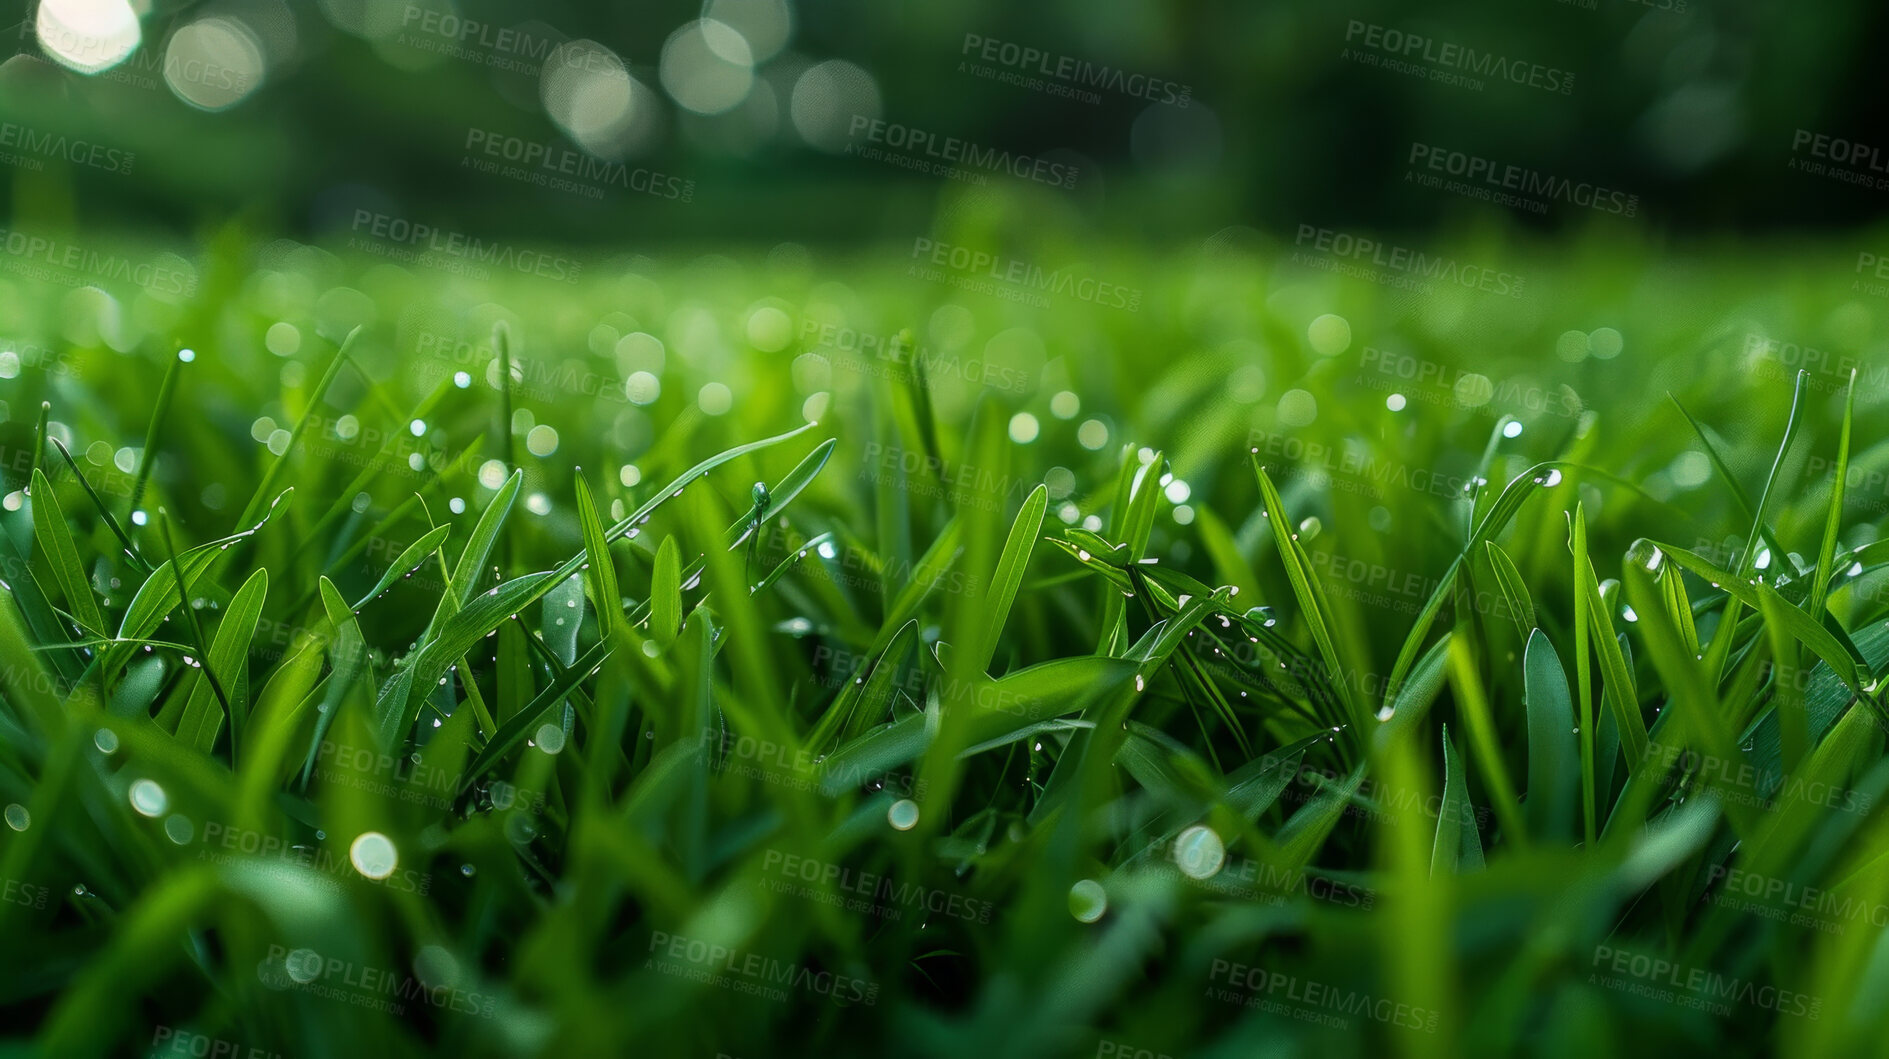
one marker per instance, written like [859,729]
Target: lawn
[1239,648]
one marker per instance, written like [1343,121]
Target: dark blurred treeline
[1298,112]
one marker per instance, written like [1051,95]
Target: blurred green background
[1183,119]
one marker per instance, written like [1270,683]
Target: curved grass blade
[1305,587]
[1002,592]
[55,540]
[1514,590]
[603,572]
[408,561]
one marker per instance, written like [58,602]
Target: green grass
[1206,679]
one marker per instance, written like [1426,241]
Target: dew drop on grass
[374,855]
[903,814]
[1199,852]
[18,818]
[105,740]
[468,870]
[1087,901]
[550,738]
[179,829]
[1646,555]
[148,798]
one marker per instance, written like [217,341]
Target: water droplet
[374,855]
[1087,901]
[148,798]
[18,818]
[1199,852]
[105,740]
[1646,555]
[550,738]
[902,814]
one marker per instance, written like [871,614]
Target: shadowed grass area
[775,654]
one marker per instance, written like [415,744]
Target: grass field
[1220,653]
